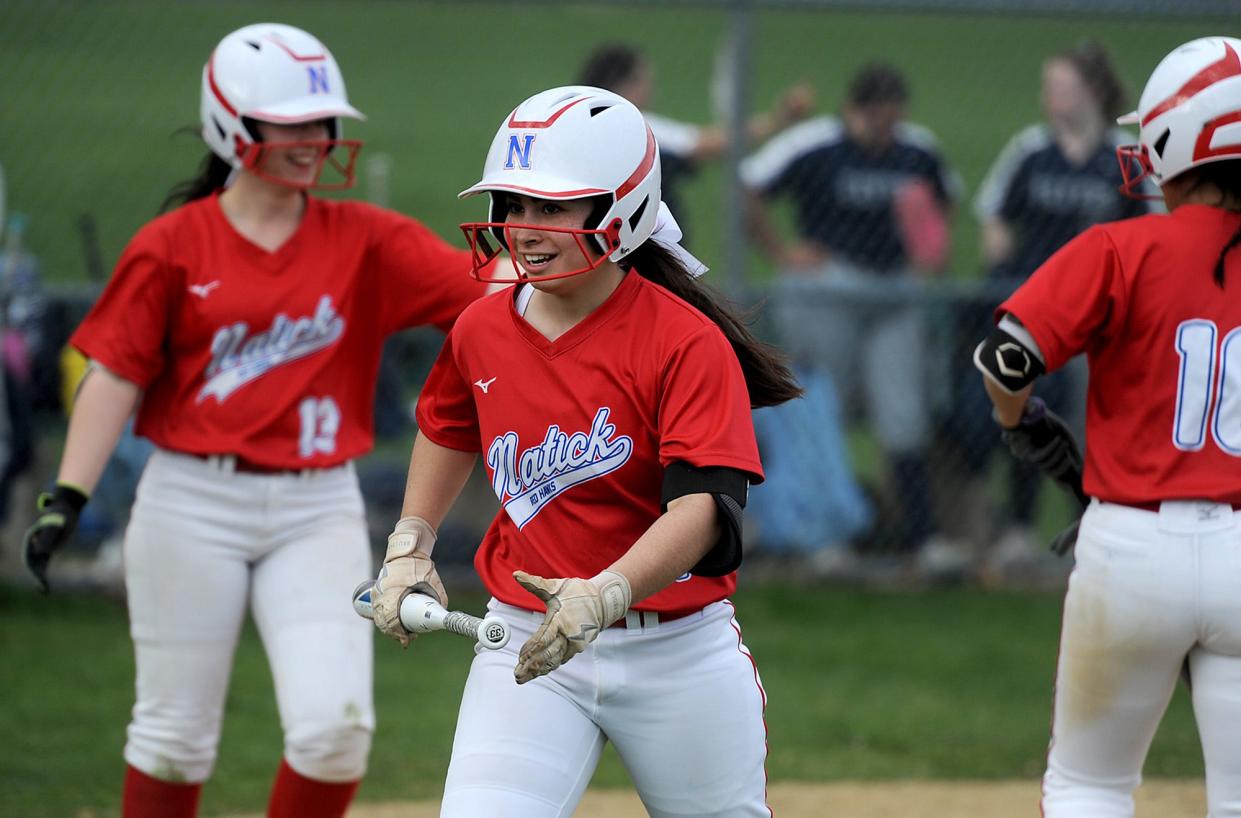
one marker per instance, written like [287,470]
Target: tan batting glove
[407,569]
[577,609]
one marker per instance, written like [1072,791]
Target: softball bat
[422,614]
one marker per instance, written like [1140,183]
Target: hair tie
[668,234]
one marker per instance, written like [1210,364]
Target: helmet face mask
[281,75]
[1135,169]
[572,143]
[1189,114]
[330,152]
[488,239]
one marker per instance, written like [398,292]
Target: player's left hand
[577,609]
[52,528]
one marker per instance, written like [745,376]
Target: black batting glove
[1044,439]
[1066,539]
[58,517]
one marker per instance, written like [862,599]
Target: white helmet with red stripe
[575,142]
[1189,113]
[271,73]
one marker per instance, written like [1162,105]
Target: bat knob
[363,599]
[493,633]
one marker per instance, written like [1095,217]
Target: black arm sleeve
[729,488]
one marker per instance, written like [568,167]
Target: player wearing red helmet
[245,327]
[610,396]
[1151,301]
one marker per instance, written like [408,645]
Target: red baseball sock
[147,797]
[296,796]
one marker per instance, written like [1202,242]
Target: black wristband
[70,495]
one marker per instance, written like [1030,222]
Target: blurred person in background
[871,194]
[245,327]
[683,147]
[1052,180]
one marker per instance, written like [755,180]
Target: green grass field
[938,684]
[104,84]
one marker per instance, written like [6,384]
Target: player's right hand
[1044,439]
[407,569]
[52,528]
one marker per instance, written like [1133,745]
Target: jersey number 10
[1197,384]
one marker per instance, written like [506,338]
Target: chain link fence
[877,176]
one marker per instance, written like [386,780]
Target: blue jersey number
[1199,401]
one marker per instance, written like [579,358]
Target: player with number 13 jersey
[245,327]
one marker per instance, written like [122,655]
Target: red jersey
[576,432]
[271,356]
[1163,413]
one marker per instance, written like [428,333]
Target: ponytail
[1225,177]
[1219,263]
[212,174]
[767,374]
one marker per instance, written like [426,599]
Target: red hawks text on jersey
[1163,413]
[271,356]
[576,433]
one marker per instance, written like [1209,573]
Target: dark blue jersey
[842,192]
[1046,199]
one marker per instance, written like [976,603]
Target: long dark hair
[1094,65]
[610,66]
[766,370]
[1226,177]
[213,172]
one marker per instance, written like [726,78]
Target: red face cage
[1135,168]
[485,246]
[329,157]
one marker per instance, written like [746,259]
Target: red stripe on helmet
[1227,66]
[215,89]
[289,51]
[1202,147]
[543,194]
[513,123]
[644,167]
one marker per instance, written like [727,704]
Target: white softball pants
[1150,590]
[681,701]
[202,543]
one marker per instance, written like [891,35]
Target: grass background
[934,684]
[99,87]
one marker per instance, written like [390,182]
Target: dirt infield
[908,799]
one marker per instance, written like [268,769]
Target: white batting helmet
[272,73]
[1189,114]
[574,142]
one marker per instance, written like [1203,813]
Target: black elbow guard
[728,487]
[1007,362]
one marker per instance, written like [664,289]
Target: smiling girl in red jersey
[1157,586]
[245,327]
[610,398]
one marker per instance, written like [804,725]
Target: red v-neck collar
[271,259]
[621,297]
